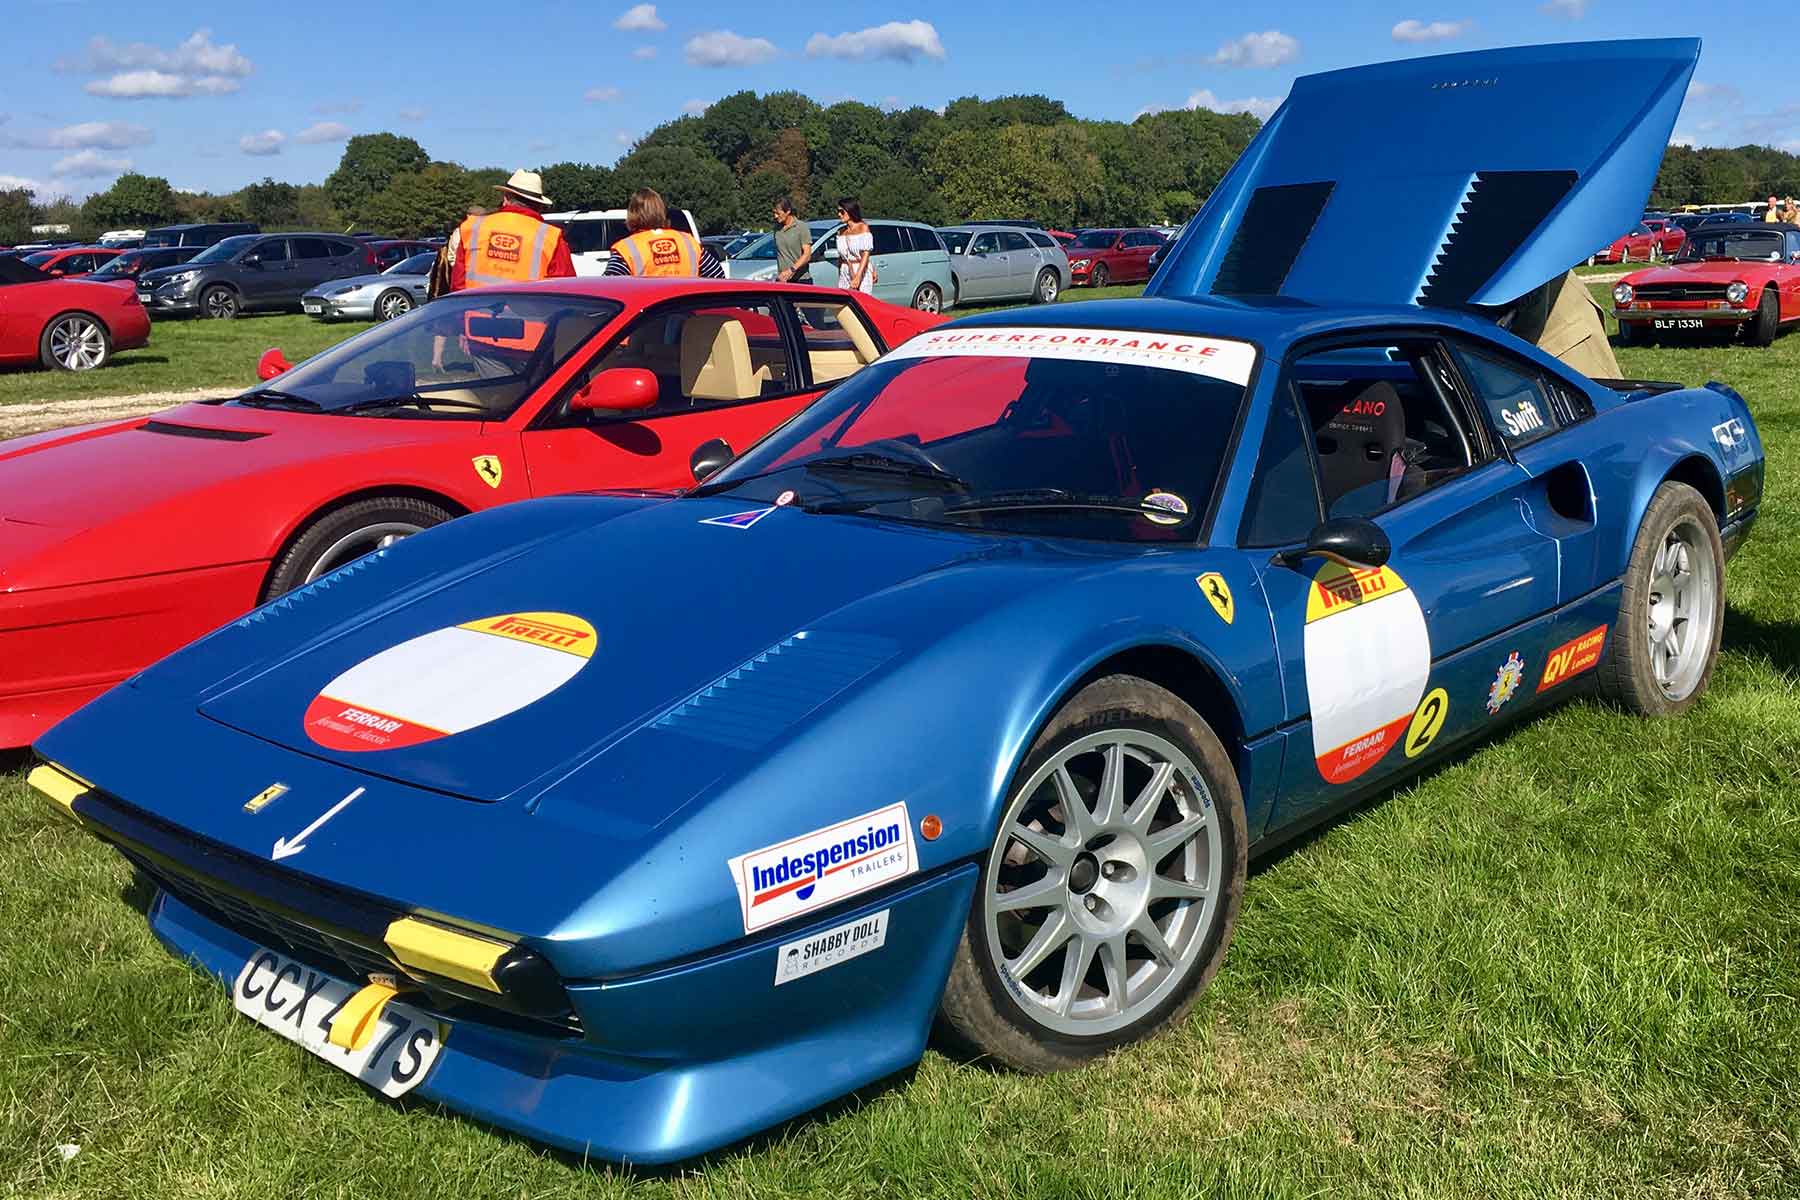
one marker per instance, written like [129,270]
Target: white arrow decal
[285,848]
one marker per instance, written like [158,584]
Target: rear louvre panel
[1501,210]
[1275,227]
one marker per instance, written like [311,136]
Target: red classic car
[65,324]
[1745,274]
[1667,234]
[122,542]
[69,261]
[1106,256]
[1638,244]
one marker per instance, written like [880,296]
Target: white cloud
[267,142]
[600,95]
[89,163]
[902,41]
[723,48]
[624,137]
[101,135]
[321,132]
[640,18]
[1714,93]
[644,53]
[694,108]
[1270,48]
[138,70]
[1679,138]
[13,182]
[414,114]
[1260,107]
[1572,9]
[1433,31]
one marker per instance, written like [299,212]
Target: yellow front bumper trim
[64,787]
[436,950]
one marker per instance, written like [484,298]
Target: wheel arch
[297,529]
[1699,473]
[74,312]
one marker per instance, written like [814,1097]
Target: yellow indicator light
[436,950]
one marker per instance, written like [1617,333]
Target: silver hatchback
[1004,262]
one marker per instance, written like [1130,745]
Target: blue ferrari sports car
[640,823]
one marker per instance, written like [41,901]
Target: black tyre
[1100,276]
[1049,286]
[1763,326]
[75,341]
[1633,333]
[392,303]
[346,534]
[1662,647]
[220,303]
[929,298]
[1108,897]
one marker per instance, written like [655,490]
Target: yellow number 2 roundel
[488,467]
[1427,721]
[1218,594]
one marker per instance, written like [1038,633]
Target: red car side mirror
[622,389]
[272,363]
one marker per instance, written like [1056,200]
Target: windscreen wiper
[885,464]
[1055,499]
[414,400]
[271,398]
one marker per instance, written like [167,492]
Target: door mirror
[272,363]
[710,457]
[1348,541]
[250,260]
[831,254]
[622,389]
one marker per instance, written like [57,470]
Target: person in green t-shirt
[793,243]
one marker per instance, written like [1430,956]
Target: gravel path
[18,419]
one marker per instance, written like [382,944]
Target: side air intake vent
[169,429]
[1275,227]
[1500,211]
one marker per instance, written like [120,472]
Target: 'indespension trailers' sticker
[449,680]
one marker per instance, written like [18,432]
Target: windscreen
[418,264]
[1087,433]
[955,239]
[1744,242]
[1096,239]
[471,356]
[226,250]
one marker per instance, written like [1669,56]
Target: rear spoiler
[1639,387]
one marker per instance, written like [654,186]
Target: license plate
[298,1003]
[143,297]
[1679,323]
[312,307]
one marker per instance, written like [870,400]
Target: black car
[253,271]
[209,234]
[134,263]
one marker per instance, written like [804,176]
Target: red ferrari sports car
[66,324]
[1744,275]
[1638,244]
[121,542]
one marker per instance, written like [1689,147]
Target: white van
[592,232]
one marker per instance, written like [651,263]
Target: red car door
[724,367]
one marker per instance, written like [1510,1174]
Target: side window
[273,250]
[1042,241]
[1014,241]
[927,241]
[889,239]
[1384,426]
[345,249]
[1515,398]
[705,356]
[1283,505]
[986,243]
[305,247]
[838,344]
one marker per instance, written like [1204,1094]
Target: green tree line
[1013,156]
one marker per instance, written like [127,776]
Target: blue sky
[213,96]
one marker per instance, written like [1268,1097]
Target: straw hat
[527,185]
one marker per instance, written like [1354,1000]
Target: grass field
[1563,966]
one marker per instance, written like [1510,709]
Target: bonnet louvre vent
[169,429]
[1501,211]
[1269,238]
[777,689]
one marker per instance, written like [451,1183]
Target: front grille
[1681,291]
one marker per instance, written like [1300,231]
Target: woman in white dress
[856,246]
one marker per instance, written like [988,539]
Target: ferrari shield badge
[1218,594]
[488,467]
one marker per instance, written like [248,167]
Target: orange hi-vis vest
[505,247]
[660,252]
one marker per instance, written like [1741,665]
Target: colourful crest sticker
[1170,503]
[1506,682]
[742,520]
[449,681]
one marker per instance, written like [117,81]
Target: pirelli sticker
[1573,657]
[1220,358]
[449,681]
[1368,658]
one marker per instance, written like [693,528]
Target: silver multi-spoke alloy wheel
[358,542]
[77,343]
[393,304]
[1104,883]
[1048,287]
[1683,605]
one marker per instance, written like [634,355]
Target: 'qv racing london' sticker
[1367,659]
[817,869]
[449,680]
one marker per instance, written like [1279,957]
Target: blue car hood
[584,639]
[1445,181]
